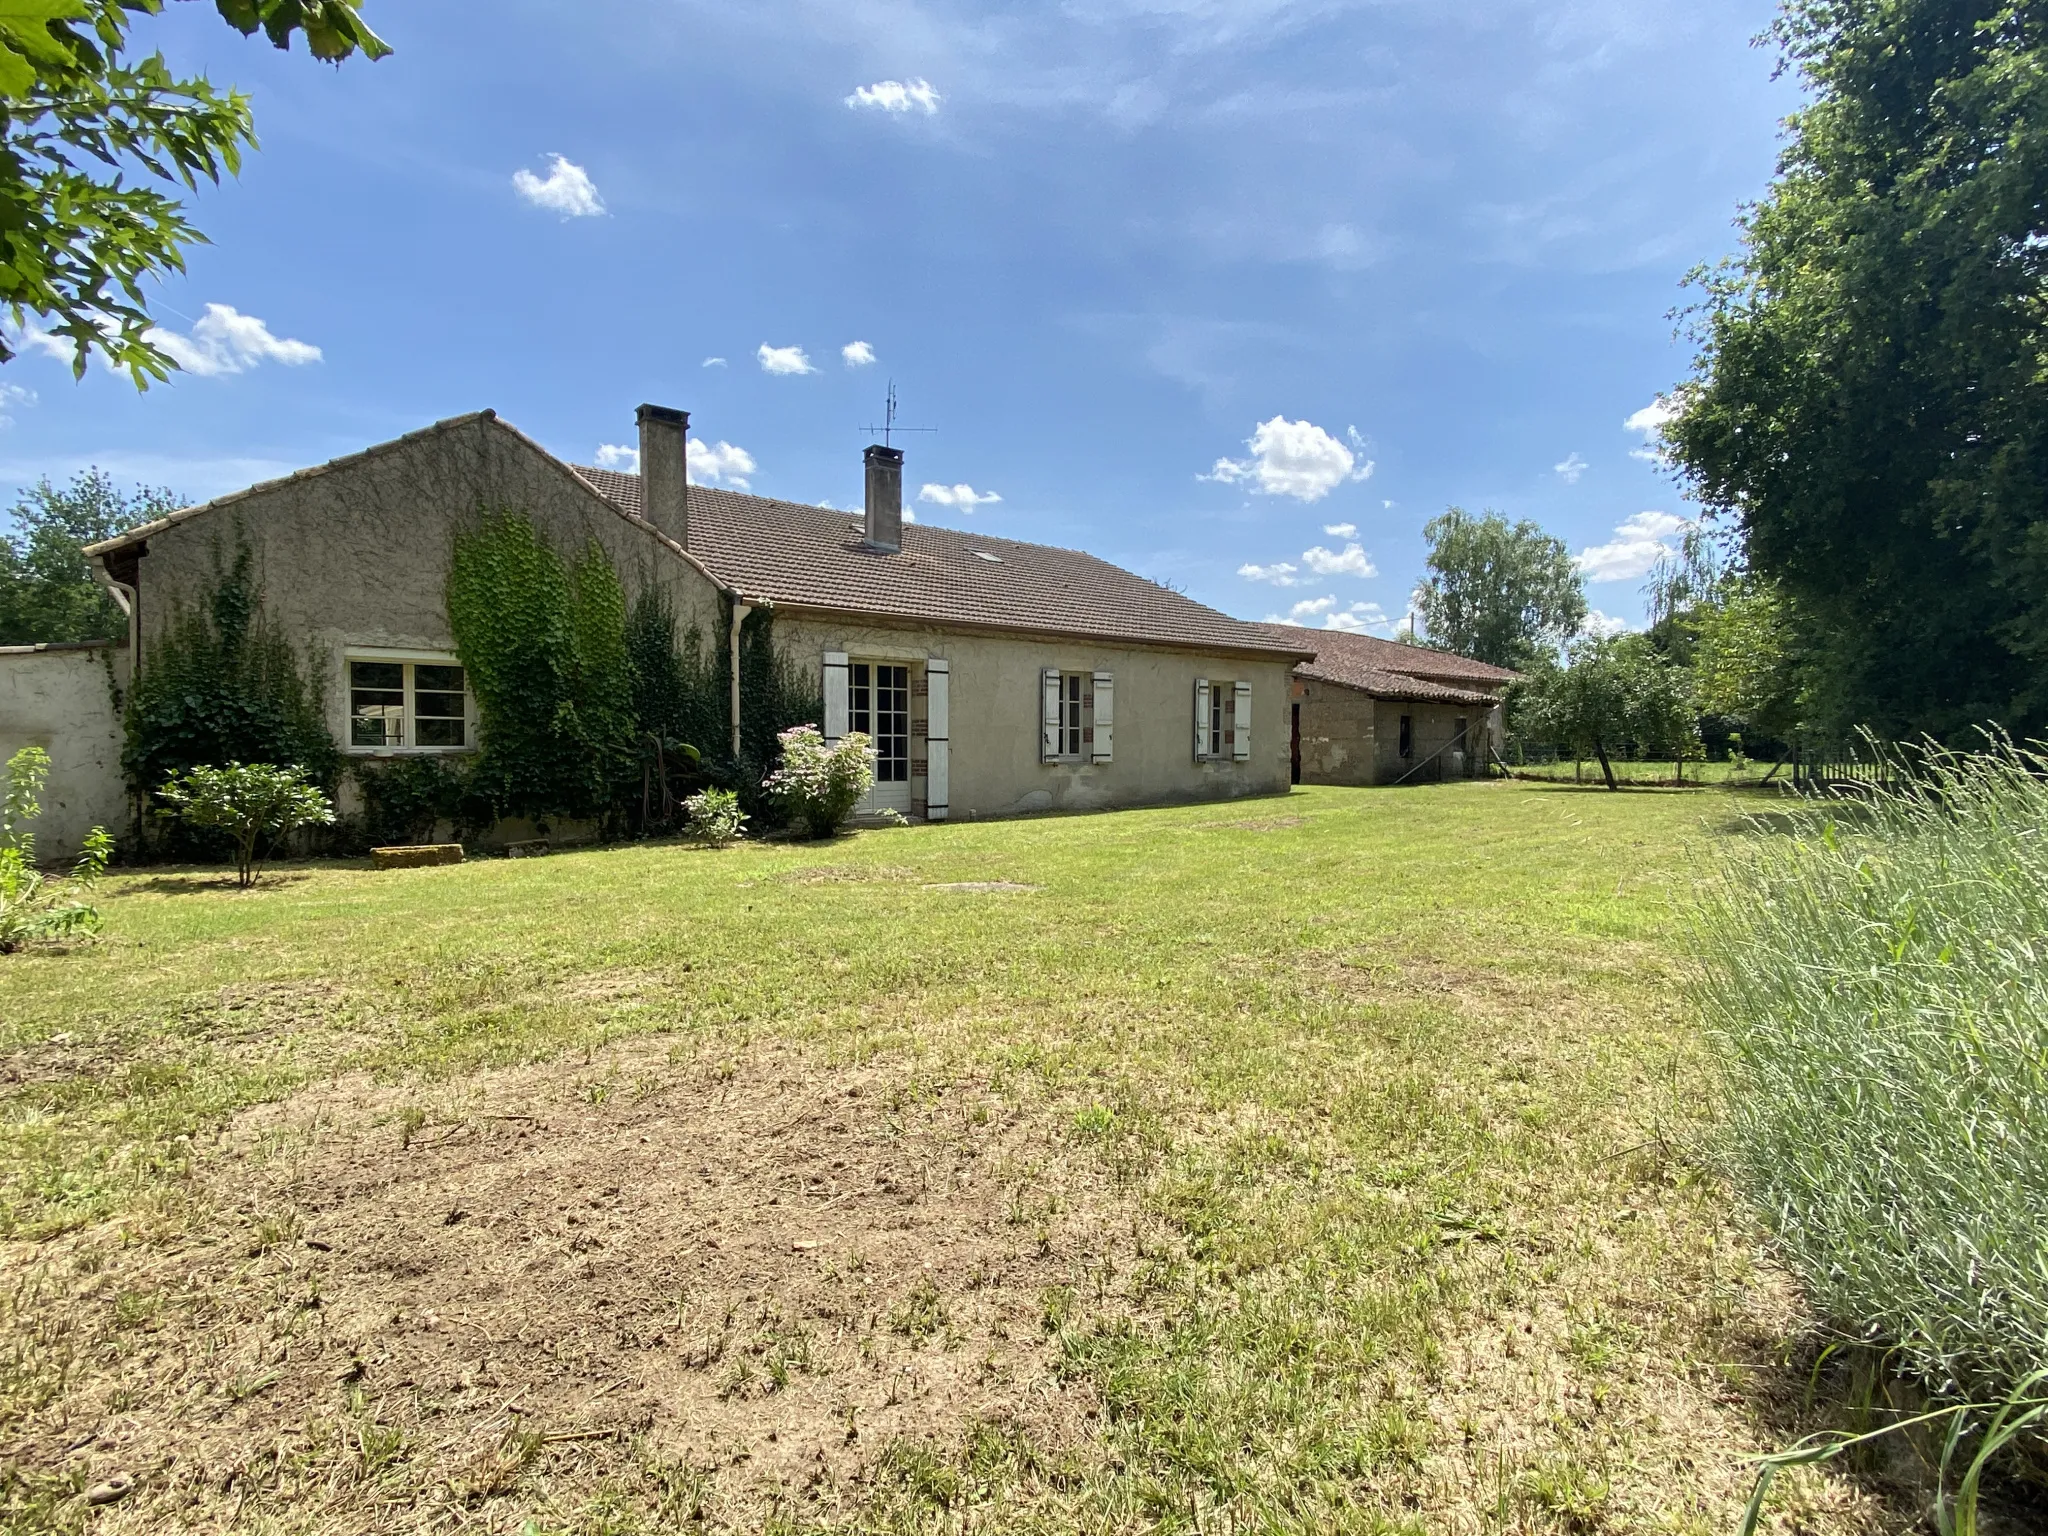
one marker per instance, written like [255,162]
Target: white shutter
[938,739]
[1105,715]
[1049,716]
[1201,718]
[1241,739]
[835,695]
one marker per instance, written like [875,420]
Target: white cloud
[909,516]
[1280,573]
[1353,618]
[713,362]
[1341,530]
[784,360]
[566,189]
[1292,458]
[720,461]
[224,340]
[12,396]
[1637,545]
[858,354]
[618,456]
[1650,421]
[962,496]
[1598,623]
[1351,561]
[1570,470]
[897,96]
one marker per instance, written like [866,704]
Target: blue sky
[1167,275]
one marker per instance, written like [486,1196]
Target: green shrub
[405,798]
[31,909]
[255,804]
[714,817]
[818,786]
[1877,984]
[222,684]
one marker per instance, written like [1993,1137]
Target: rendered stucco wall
[358,555]
[58,698]
[996,701]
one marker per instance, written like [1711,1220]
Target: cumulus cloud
[858,354]
[1570,470]
[13,396]
[896,96]
[566,189]
[224,340]
[1352,618]
[1292,458]
[1352,560]
[1341,530]
[784,360]
[966,497]
[618,456]
[1637,545]
[721,462]
[1279,573]
[1650,422]
[1598,623]
[713,362]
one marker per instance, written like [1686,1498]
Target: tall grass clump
[1877,985]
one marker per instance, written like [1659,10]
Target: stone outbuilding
[1373,711]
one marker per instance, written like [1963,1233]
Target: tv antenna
[888,426]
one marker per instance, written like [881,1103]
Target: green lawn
[1379,1106]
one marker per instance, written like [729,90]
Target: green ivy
[776,694]
[544,644]
[221,684]
[405,798]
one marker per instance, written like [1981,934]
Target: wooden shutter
[938,738]
[835,695]
[1241,727]
[1201,718]
[1105,715]
[1049,716]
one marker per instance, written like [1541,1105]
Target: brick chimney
[885,499]
[664,470]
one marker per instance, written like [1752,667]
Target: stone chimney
[664,470]
[885,499]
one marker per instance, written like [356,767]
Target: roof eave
[895,616]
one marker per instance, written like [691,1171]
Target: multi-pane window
[878,706]
[394,704]
[1222,719]
[1069,723]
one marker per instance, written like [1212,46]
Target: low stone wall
[61,698]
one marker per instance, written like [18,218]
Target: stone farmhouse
[994,677]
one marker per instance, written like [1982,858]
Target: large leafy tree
[1613,695]
[1870,399]
[1502,593]
[93,135]
[46,592]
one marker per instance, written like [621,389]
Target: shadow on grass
[215,883]
[1819,1388]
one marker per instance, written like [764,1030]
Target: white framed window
[1074,717]
[399,702]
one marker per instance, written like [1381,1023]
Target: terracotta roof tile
[813,557]
[1390,670]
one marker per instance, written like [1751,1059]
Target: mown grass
[1402,1073]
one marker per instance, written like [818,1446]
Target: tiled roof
[1388,669]
[813,557]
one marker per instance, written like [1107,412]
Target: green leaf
[26,40]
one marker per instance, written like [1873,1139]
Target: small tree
[29,909]
[1613,693]
[251,802]
[819,785]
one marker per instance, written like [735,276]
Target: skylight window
[982,554]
